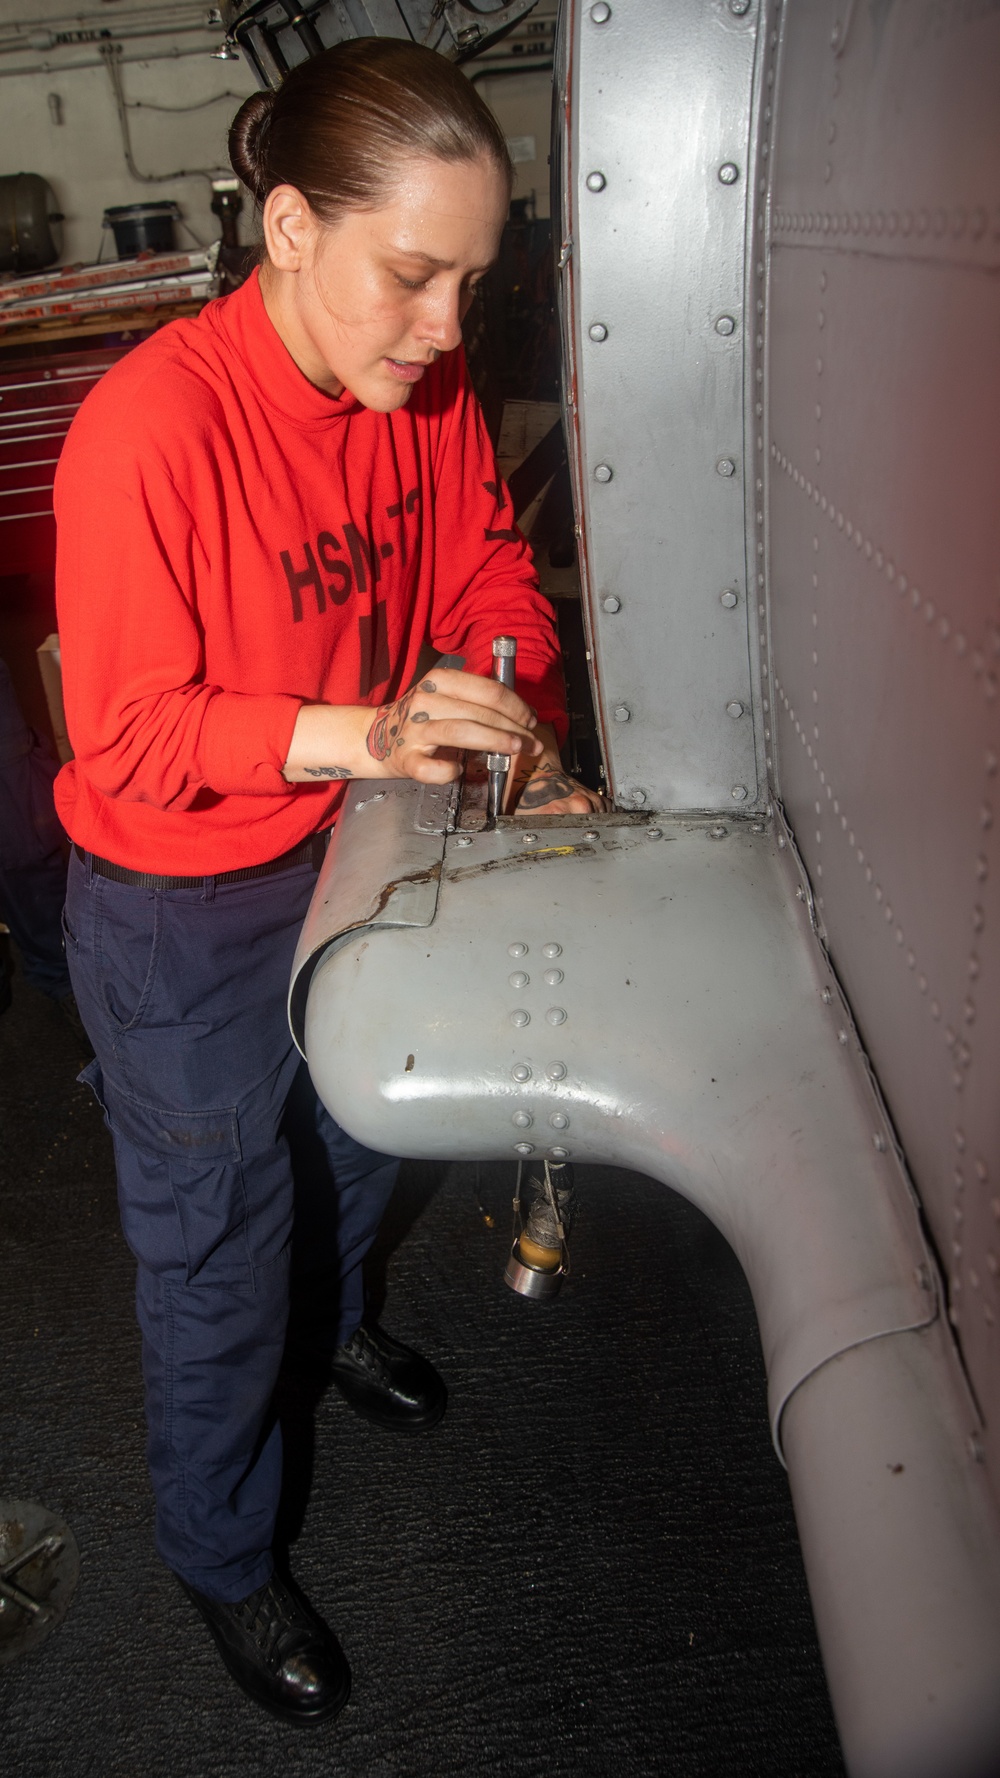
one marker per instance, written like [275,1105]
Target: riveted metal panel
[881,452]
[695,1038]
[655,158]
[382,868]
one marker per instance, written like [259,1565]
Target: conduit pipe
[652,996]
[153,55]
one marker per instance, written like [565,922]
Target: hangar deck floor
[589,1570]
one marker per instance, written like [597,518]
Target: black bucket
[140,228]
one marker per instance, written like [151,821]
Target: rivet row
[984,660]
[954,223]
[962,1053]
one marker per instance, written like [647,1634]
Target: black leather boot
[279,1651]
[388,1382]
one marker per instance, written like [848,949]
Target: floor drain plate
[39,1569]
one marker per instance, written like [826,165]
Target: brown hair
[340,123]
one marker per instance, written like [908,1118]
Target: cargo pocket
[180,1188]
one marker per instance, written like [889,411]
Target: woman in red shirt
[264,514]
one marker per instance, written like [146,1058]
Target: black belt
[310,851]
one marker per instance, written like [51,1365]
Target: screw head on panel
[596,181]
[738,793]
[622,713]
[517,950]
[734,709]
[739,8]
[553,977]
[523,1120]
[559,1120]
[718,832]
[601,12]
[556,1015]
[529,838]
[559,1154]
[725,325]
[729,172]
[612,604]
[520,1017]
[603,472]
[518,979]
[725,466]
[551,950]
[729,598]
[597,331]
[524,1148]
[591,834]
[638,796]
[556,1071]
[654,833]
[463,839]
[521,1072]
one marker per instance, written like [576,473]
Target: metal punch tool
[498,764]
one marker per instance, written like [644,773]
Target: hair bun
[248,143]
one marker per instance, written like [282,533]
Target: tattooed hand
[547,789]
[424,733]
[546,786]
[388,731]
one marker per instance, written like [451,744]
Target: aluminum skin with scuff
[382,868]
[695,1074]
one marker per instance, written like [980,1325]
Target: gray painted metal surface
[653,995]
[655,156]
[382,868]
[881,450]
[672,997]
[662,997]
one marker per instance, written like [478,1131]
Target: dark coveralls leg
[183,995]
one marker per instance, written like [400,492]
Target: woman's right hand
[420,735]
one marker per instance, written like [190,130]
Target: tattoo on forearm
[548,786]
[328,772]
[427,685]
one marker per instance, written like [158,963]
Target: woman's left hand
[546,789]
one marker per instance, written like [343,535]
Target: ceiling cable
[199,104]
[111,57]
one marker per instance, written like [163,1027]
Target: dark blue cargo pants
[218,1139]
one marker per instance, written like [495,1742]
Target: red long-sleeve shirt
[233,543]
